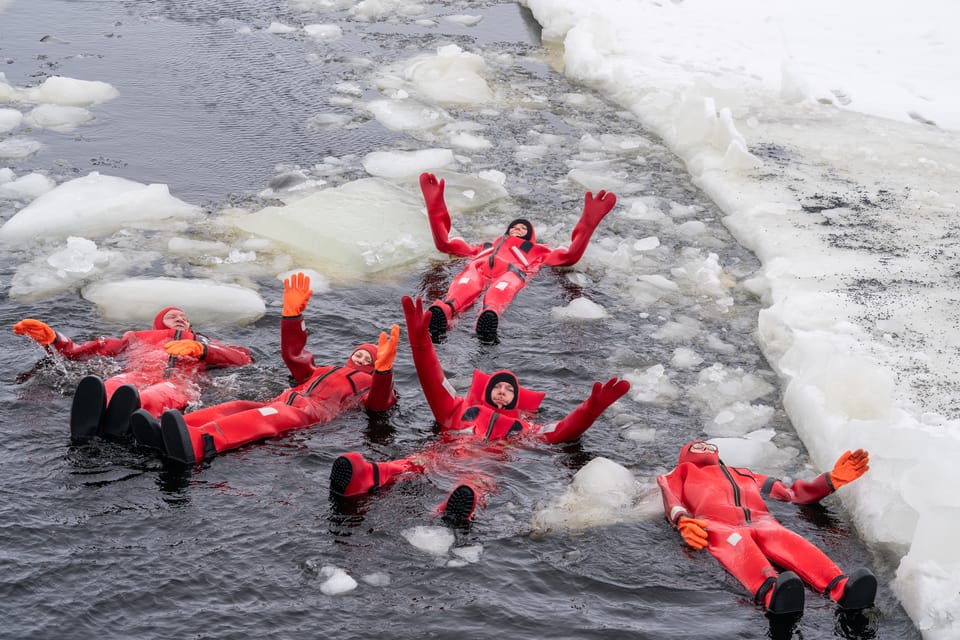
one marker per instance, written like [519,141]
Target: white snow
[854,95]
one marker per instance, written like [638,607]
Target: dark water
[105,540]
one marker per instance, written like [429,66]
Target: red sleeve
[381,395]
[99,347]
[671,489]
[571,427]
[439,394]
[800,492]
[293,340]
[579,239]
[440,226]
[217,354]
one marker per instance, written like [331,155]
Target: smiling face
[518,230]
[502,394]
[361,358]
[176,319]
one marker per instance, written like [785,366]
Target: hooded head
[503,390]
[363,357]
[699,453]
[176,320]
[527,235]
[481,386]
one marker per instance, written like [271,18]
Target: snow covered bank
[827,134]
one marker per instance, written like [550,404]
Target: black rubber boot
[176,437]
[340,475]
[787,594]
[116,421]
[438,324]
[89,405]
[146,430]
[460,505]
[860,590]
[487,325]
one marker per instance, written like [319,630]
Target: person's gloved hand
[605,394]
[596,207]
[387,349]
[694,531]
[39,331]
[849,467]
[418,321]
[190,348]
[296,294]
[432,189]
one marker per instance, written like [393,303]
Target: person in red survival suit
[162,368]
[494,411]
[321,394]
[505,264]
[722,509]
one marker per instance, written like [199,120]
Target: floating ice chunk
[68,267]
[323,32]
[492,175]
[433,540]
[453,76]
[337,581]
[205,301]
[465,20]
[360,228]
[758,454]
[10,119]
[18,148]
[400,164]
[57,117]
[646,244]
[377,579]
[579,309]
[328,121]
[652,385]
[739,418]
[471,554]
[602,493]
[408,115]
[280,28]
[26,187]
[70,92]
[95,205]
[684,358]
[719,386]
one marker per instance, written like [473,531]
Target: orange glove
[190,348]
[694,531]
[387,349]
[296,294]
[849,467]
[39,331]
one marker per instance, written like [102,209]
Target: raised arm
[581,418]
[382,395]
[432,189]
[849,467]
[440,396]
[594,209]
[293,331]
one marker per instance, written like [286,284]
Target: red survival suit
[163,381]
[741,532]
[322,394]
[470,425]
[505,263]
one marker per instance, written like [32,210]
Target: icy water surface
[105,540]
